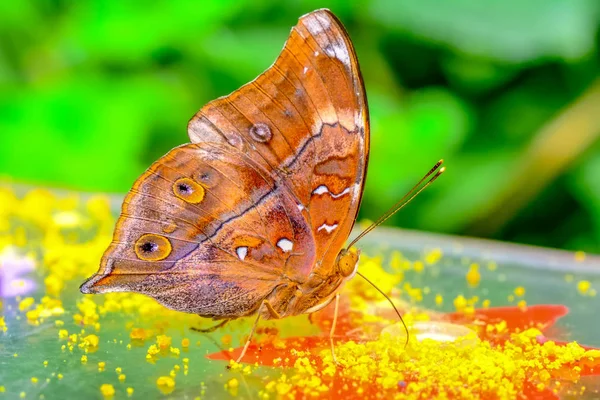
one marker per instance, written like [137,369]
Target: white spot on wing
[335,50]
[242,252]
[300,207]
[317,24]
[285,244]
[322,189]
[327,228]
[305,70]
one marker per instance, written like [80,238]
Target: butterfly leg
[212,328]
[274,314]
[333,323]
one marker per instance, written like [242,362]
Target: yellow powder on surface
[370,368]
[107,390]
[583,286]
[429,368]
[165,384]
[519,291]
[473,276]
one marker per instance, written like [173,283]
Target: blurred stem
[552,150]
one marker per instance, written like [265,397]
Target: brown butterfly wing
[265,195]
[217,231]
[305,120]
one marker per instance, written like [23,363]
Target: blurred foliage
[92,92]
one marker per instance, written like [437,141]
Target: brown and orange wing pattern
[265,195]
[305,121]
[206,231]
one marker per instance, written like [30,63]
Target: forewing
[305,121]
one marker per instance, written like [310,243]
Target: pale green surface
[540,271]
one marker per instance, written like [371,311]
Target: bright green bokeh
[92,92]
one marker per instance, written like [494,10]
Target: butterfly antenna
[391,302]
[411,194]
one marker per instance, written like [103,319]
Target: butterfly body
[256,209]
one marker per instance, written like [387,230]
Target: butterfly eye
[347,262]
[151,247]
[188,190]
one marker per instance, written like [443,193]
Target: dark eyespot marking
[188,190]
[148,247]
[152,247]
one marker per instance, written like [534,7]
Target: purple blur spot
[12,269]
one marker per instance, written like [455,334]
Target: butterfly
[251,217]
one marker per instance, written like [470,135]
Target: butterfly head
[347,262]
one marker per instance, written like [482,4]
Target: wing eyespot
[188,190]
[151,247]
[261,132]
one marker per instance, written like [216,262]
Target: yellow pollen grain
[138,334]
[26,303]
[163,342]
[473,276]
[433,256]
[418,266]
[107,390]
[233,383]
[583,286]
[165,384]
[460,303]
[519,291]
[579,256]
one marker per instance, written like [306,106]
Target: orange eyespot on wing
[151,247]
[188,190]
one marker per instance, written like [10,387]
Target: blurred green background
[507,92]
